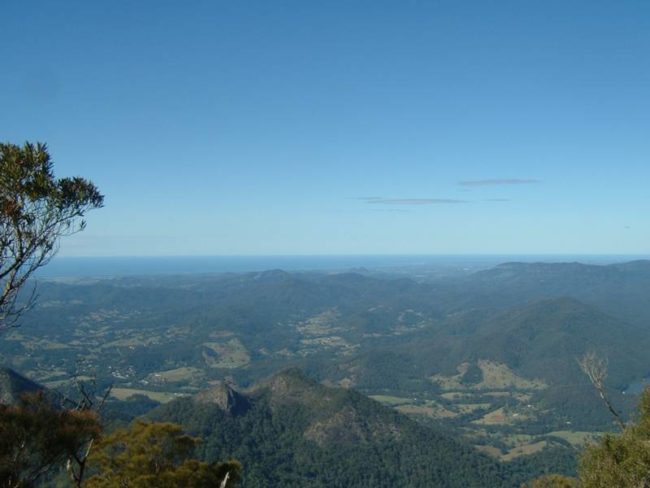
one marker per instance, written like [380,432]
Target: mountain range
[490,357]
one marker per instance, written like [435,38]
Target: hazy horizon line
[307,255]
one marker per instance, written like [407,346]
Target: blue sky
[340,127]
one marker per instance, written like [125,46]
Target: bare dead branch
[595,367]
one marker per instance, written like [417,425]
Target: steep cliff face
[225,397]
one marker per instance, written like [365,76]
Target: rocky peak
[223,396]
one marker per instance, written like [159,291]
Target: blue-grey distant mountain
[618,288]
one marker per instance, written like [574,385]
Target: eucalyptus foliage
[36,210]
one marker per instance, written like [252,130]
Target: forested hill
[533,348]
[620,289]
[290,431]
[13,385]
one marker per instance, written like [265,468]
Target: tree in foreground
[617,460]
[36,438]
[157,455]
[622,459]
[36,210]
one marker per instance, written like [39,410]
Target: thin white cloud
[391,210]
[499,182]
[411,201]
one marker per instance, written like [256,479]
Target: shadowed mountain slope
[13,385]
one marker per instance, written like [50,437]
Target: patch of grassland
[495,417]
[391,401]
[35,344]
[409,406]
[135,341]
[490,451]
[52,345]
[347,383]
[329,341]
[286,353]
[514,440]
[430,409]
[65,381]
[496,376]
[44,375]
[515,452]
[220,334]
[321,324]
[498,394]
[176,375]
[230,355]
[501,416]
[178,331]
[158,396]
[456,395]
[524,450]
[464,408]
[576,438]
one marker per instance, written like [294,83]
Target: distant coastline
[98,267]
